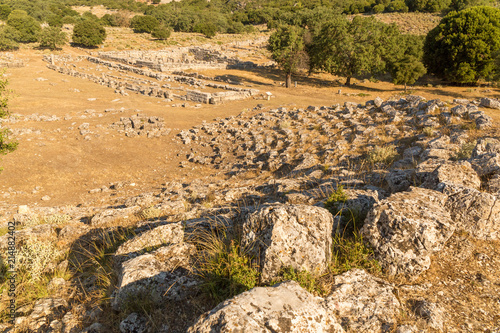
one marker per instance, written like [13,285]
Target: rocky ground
[421,180]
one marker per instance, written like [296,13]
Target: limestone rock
[494,185]
[45,311]
[151,275]
[111,215]
[94,328]
[71,232]
[284,307]
[289,235]
[459,172]
[165,234]
[399,180]
[431,312]
[490,103]
[486,145]
[363,303]
[473,211]
[406,228]
[486,164]
[134,323]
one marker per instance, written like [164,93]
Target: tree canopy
[26,25]
[348,49]
[287,49]
[52,38]
[88,33]
[144,23]
[462,47]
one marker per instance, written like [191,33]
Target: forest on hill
[314,35]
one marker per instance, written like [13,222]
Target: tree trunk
[288,82]
[405,87]
[348,81]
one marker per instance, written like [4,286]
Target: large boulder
[279,236]
[165,234]
[285,307]
[158,276]
[473,211]
[363,303]
[459,172]
[406,228]
[490,103]
[487,164]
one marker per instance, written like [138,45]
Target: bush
[27,26]
[161,32]
[378,8]
[34,257]
[462,47]
[465,151]
[144,23]
[336,198]
[208,29]
[89,33]
[108,21]
[385,155]
[351,252]
[227,271]
[5,10]
[52,37]
[8,37]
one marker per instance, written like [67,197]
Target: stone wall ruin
[124,67]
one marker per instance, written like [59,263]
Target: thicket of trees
[361,47]
[312,34]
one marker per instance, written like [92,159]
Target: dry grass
[410,23]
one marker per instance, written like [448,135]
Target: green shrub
[52,37]
[161,32]
[226,269]
[144,23]
[336,200]
[8,37]
[349,251]
[89,33]
[306,280]
[208,29]
[5,10]
[26,25]
[463,47]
